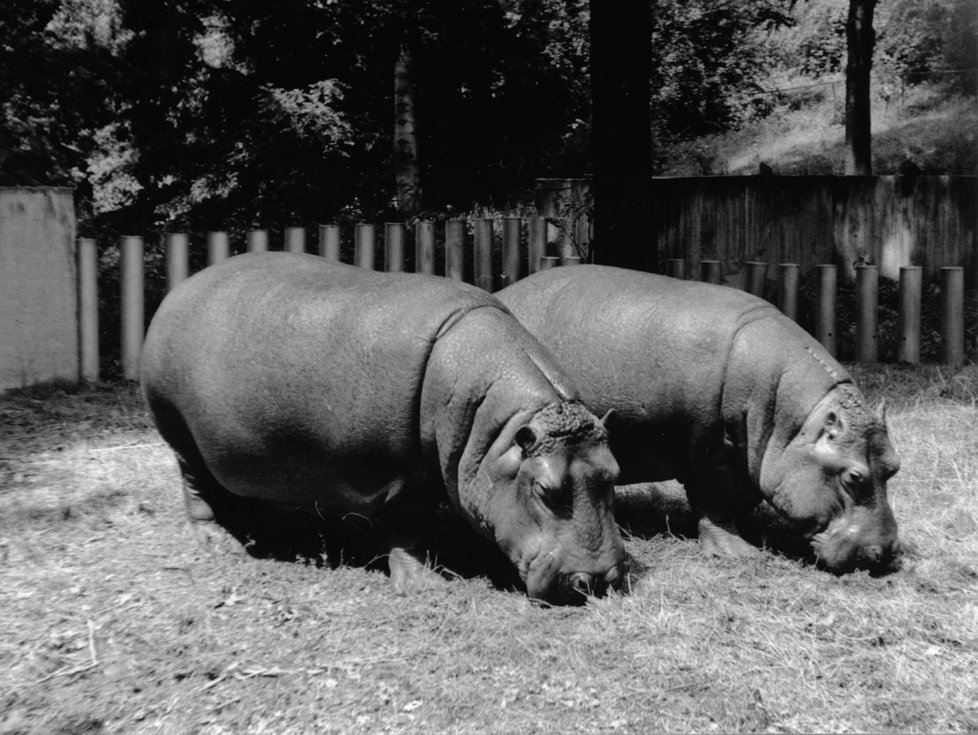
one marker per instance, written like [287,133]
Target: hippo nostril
[581,583]
[874,553]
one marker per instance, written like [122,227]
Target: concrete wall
[38,287]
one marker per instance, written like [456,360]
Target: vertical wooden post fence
[788,290]
[257,241]
[363,246]
[88,310]
[911,280]
[756,277]
[512,229]
[295,239]
[329,242]
[952,315]
[867,297]
[131,284]
[825,311]
[454,249]
[710,271]
[218,247]
[177,247]
[424,247]
[394,247]
[676,268]
[177,259]
[482,264]
[536,246]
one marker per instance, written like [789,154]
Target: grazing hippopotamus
[283,377]
[718,389]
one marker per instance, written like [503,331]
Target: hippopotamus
[719,390]
[285,378]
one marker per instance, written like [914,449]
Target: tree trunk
[407,174]
[621,138]
[860,38]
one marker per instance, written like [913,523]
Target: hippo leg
[215,518]
[719,497]
[408,558]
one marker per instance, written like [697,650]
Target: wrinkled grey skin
[718,389]
[286,378]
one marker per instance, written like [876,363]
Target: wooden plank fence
[503,241]
[892,221]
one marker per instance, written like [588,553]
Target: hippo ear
[833,424]
[525,437]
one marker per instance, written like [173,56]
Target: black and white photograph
[488,366]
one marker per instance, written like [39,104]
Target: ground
[114,621]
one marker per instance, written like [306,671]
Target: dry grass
[113,622]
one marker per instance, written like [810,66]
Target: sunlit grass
[114,621]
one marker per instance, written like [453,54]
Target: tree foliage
[226,113]
[710,59]
[917,40]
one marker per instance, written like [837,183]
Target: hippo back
[708,353]
[259,357]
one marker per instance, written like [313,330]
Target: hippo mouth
[837,549]
[545,583]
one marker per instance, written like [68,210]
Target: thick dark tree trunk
[407,174]
[621,37]
[860,38]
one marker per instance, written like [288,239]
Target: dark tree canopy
[195,114]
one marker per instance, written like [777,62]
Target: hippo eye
[551,497]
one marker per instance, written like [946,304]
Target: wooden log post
[756,277]
[218,247]
[788,290]
[131,316]
[952,315]
[512,230]
[177,247]
[424,247]
[363,246]
[394,247]
[676,268]
[825,308]
[867,296]
[295,239]
[536,242]
[87,253]
[711,271]
[482,263]
[548,261]
[911,290]
[329,242]
[455,249]
[257,241]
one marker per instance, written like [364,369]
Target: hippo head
[550,509]
[830,480]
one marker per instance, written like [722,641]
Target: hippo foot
[410,573]
[213,539]
[718,541]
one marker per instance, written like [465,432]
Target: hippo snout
[857,546]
